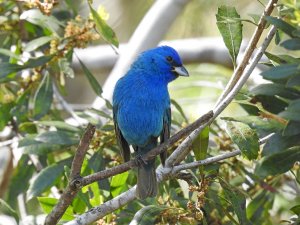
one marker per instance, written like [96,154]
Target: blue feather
[141,107]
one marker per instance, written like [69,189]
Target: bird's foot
[140,161]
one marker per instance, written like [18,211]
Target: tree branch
[249,50]
[182,150]
[150,155]
[75,181]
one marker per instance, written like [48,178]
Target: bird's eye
[169,59]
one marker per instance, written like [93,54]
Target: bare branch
[207,161]
[150,155]
[75,181]
[183,149]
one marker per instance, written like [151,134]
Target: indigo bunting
[141,110]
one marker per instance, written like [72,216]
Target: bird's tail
[146,181]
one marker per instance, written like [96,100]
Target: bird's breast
[140,114]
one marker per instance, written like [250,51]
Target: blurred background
[193,33]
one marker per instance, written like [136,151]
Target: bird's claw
[140,161]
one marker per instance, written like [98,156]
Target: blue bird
[141,110]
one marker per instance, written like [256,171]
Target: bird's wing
[165,134]
[124,146]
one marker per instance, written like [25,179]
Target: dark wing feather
[124,146]
[165,134]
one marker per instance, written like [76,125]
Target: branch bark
[75,181]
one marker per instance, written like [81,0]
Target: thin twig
[75,180]
[183,148]
[207,161]
[249,51]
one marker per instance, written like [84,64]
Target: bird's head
[162,62]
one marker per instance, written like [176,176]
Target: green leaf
[9,53]
[291,44]
[104,30]
[46,178]
[245,138]
[61,125]
[65,67]
[118,183]
[259,206]
[20,110]
[48,204]
[19,181]
[278,142]
[296,209]
[278,163]
[179,109]
[58,138]
[258,123]
[43,97]
[31,146]
[8,68]
[35,16]
[292,128]
[5,115]
[7,209]
[200,146]
[237,200]
[148,214]
[275,89]
[230,27]
[92,80]
[293,81]
[292,111]
[36,43]
[281,25]
[281,72]
[36,62]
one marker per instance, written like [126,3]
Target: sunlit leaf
[245,138]
[36,17]
[61,125]
[118,183]
[48,204]
[230,27]
[105,31]
[36,43]
[200,146]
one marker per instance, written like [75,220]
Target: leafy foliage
[36,51]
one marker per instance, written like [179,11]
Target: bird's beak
[181,71]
